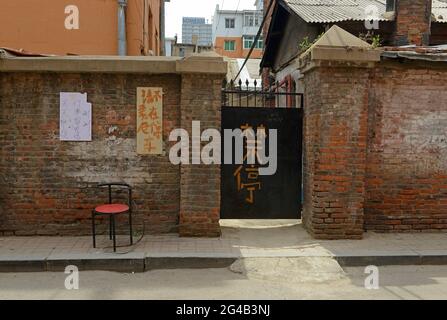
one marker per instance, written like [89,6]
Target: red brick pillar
[413,22]
[335,135]
[200,183]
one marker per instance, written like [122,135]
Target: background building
[169,43]
[176,49]
[186,49]
[235,31]
[39,26]
[196,29]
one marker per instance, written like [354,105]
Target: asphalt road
[304,278]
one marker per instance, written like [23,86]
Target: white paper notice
[75,117]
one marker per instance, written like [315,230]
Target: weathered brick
[406,147]
[47,185]
[413,25]
[375,148]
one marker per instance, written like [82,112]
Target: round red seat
[112,208]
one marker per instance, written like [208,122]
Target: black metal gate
[245,194]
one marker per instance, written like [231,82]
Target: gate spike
[247,83]
[240,83]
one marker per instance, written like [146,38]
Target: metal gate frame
[251,96]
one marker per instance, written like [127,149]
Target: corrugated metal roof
[440,11]
[329,11]
[439,3]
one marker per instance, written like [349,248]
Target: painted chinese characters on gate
[149,120]
[247,174]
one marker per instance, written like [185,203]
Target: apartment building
[234,31]
[84,27]
[196,29]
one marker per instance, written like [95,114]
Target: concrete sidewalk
[239,240]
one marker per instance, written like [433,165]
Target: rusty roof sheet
[330,11]
[431,53]
[11,52]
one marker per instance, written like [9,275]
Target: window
[229,45]
[248,42]
[249,20]
[229,23]
[390,5]
[252,19]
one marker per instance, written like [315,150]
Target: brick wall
[375,148]
[46,185]
[407,149]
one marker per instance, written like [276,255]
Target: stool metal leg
[94,229]
[110,227]
[130,228]
[114,233]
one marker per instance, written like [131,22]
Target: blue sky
[176,9]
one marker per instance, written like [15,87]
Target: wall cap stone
[202,64]
[353,57]
[116,64]
[338,45]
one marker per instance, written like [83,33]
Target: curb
[117,265]
[361,261]
[187,263]
[138,265]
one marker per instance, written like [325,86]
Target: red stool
[112,210]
